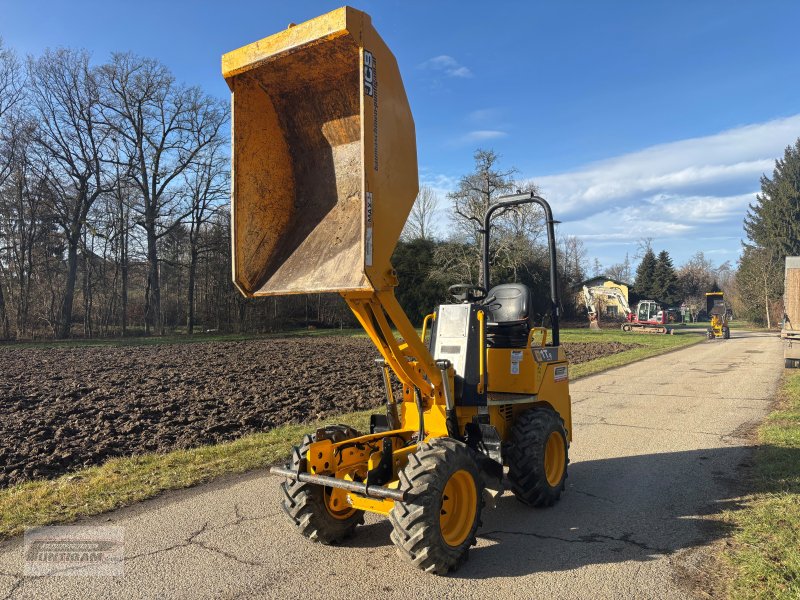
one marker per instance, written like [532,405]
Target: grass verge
[650,345]
[766,544]
[125,481]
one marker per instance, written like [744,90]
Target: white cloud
[439,183]
[447,65]
[483,115]
[734,158]
[481,135]
[681,193]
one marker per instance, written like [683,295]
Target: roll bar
[517,200]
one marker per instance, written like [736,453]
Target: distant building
[610,306]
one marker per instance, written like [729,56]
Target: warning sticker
[516,358]
[560,373]
[515,368]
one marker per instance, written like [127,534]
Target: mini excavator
[649,316]
[324,175]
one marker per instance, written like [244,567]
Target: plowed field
[66,408]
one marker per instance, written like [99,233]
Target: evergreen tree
[417,293]
[645,276]
[773,222]
[665,280]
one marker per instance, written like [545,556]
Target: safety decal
[516,358]
[560,373]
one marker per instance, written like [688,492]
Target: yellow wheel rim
[459,505]
[554,459]
[332,504]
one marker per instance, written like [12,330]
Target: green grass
[766,544]
[650,345]
[124,481]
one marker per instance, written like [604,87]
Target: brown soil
[67,408]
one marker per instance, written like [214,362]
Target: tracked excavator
[649,316]
[324,175]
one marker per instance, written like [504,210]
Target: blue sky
[637,119]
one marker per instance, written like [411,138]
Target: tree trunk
[766,301]
[4,327]
[123,265]
[124,291]
[65,323]
[88,298]
[190,295]
[155,287]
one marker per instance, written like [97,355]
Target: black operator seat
[509,318]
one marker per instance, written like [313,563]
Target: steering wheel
[466,292]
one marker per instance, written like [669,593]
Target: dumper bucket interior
[324,158]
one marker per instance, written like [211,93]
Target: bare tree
[22,206]
[420,223]
[597,268]
[572,259]
[477,192]
[759,281]
[515,230]
[11,93]
[163,127]
[455,262]
[621,272]
[697,276]
[72,139]
[206,182]
[643,246]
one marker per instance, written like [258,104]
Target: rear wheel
[726,333]
[791,363]
[309,506]
[538,457]
[434,529]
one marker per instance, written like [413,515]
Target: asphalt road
[658,451]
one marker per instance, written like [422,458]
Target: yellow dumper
[324,175]
[718,315]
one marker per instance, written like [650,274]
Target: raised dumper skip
[324,175]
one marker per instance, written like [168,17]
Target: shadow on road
[620,509]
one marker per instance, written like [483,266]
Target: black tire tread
[415,523]
[304,504]
[526,457]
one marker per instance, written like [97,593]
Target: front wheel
[434,529]
[309,506]
[726,333]
[538,457]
